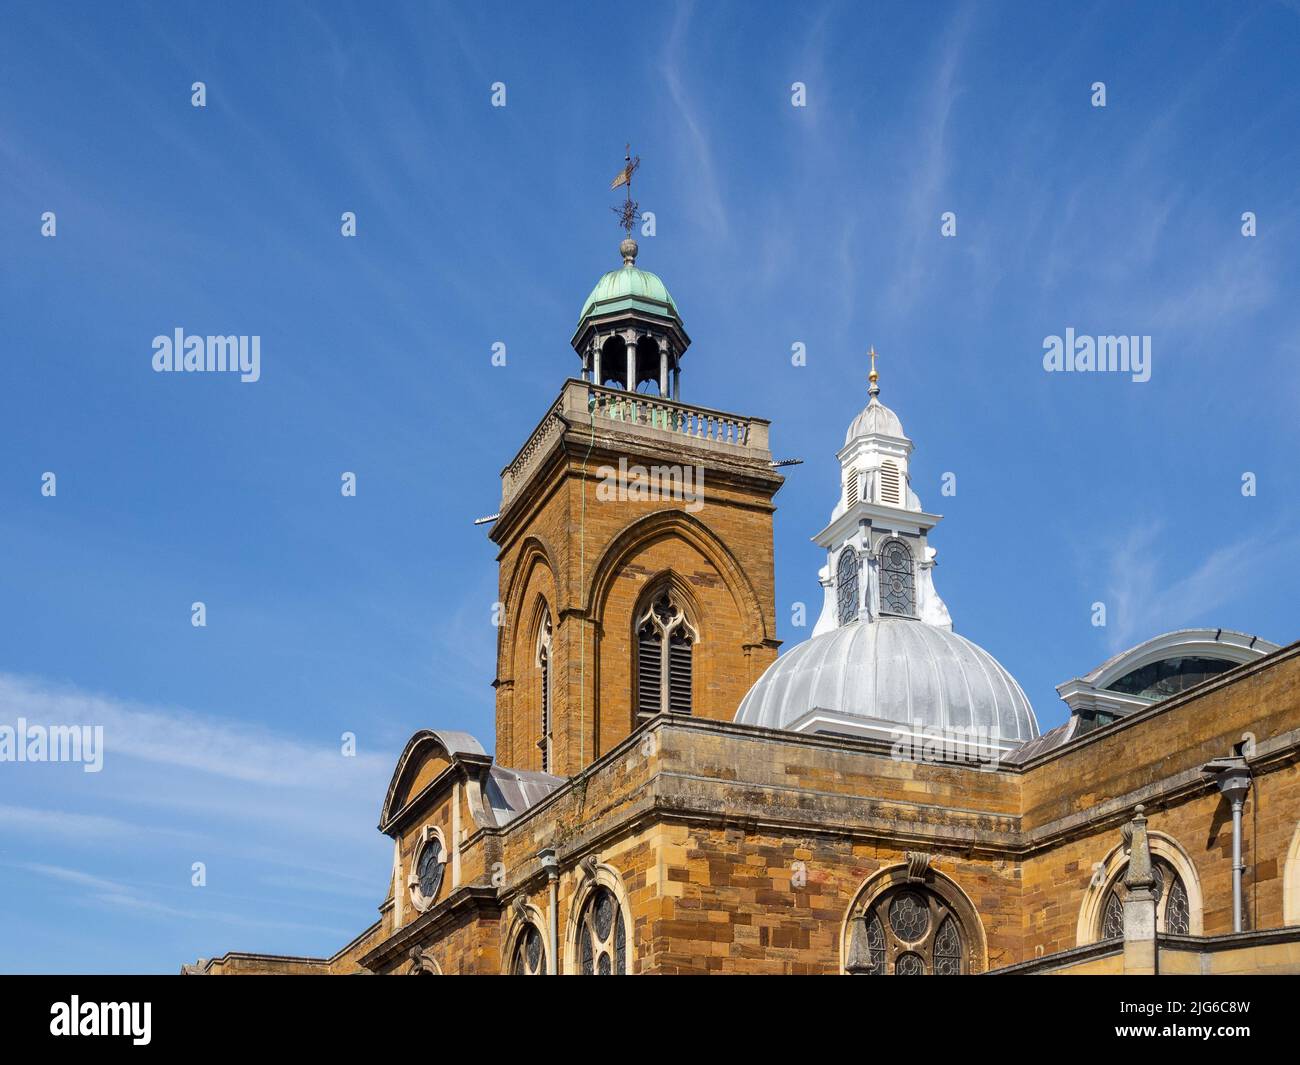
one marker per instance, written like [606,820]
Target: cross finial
[873,377]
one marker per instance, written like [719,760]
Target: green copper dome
[630,288]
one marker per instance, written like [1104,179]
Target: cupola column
[663,368]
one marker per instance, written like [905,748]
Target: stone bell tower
[635,544]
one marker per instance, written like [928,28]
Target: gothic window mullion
[925,947]
[602,947]
[665,645]
[909,931]
[545,708]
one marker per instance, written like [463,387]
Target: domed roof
[630,287]
[875,418]
[873,678]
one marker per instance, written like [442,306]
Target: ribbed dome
[871,678]
[875,418]
[630,287]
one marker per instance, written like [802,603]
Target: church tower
[878,560]
[635,544]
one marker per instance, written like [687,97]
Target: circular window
[426,876]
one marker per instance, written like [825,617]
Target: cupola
[630,335]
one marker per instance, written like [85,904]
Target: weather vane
[629,212]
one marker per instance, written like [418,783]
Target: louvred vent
[679,672]
[890,485]
[649,675]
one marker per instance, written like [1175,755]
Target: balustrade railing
[658,413]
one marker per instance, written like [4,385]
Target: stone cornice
[464,901]
[670,795]
[880,517]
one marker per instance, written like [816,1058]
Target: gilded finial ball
[628,250]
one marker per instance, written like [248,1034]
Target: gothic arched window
[544,687]
[908,931]
[846,585]
[529,958]
[664,644]
[897,580]
[602,939]
[1173,911]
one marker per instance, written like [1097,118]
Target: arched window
[602,939]
[908,931]
[529,958]
[1291,882]
[1173,910]
[544,686]
[1180,904]
[846,585]
[897,580]
[613,362]
[1169,676]
[664,644]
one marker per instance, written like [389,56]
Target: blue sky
[775,225]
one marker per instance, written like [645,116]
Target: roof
[630,288]
[1048,741]
[891,676]
[512,791]
[875,418]
[426,742]
[1226,644]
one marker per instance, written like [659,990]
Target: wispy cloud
[124,896]
[269,815]
[183,740]
[44,823]
[698,161]
[930,166]
[1143,599]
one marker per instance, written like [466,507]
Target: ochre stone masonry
[707,823]
[689,843]
[589,562]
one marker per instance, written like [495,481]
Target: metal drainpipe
[1232,776]
[552,866]
[1237,867]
